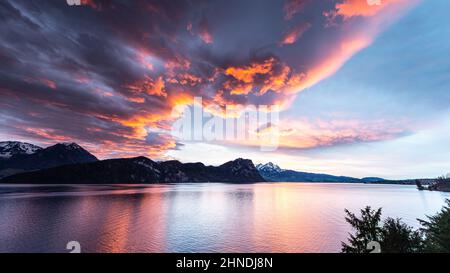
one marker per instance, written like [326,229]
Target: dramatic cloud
[108,73]
[301,134]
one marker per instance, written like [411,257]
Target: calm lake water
[266,217]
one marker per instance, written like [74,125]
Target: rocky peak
[268,168]
[70,145]
[12,148]
[239,164]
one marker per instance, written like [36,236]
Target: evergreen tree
[397,237]
[394,236]
[437,231]
[367,230]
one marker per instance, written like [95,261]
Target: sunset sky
[364,90]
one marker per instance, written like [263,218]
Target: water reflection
[281,217]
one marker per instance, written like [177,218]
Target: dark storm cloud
[108,71]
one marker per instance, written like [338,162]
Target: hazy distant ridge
[272,172]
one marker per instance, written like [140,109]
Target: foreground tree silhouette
[367,230]
[397,237]
[437,231]
[393,237]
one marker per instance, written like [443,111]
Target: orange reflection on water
[129,211]
[208,217]
[116,228]
[285,207]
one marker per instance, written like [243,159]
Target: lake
[207,217]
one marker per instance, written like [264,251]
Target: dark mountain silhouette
[69,163]
[36,158]
[272,172]
[140,170]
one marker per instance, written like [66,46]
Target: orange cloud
[138,123]
[271,74]
[136,99]
[246,74]
[157,88]
[328,66]
[127,148]
[351,8]
[276,81]
[48,134]
[186,79]
[259,77]
[295,33]
[149,86]
[238,88]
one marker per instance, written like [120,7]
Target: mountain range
[69,163]
[140,170]
[272,172]
[18,157]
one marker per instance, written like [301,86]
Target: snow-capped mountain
[20,157]
[272,172]
[71,146]
[12,148]
[268,168]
